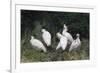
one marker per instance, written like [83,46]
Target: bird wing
[63,42]
[69,36]
[73,45]
[38,44]
[47,38]
[58,46]
[78,43]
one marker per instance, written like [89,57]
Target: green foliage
[53,22]
[33,21]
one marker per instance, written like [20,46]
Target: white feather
[65,27]
[67,35]
[58,46]
[63,42]
[37,43]
[75,44]
[46,37]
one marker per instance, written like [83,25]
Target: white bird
[38,44]
[75,44]
[63,42]
[67,34]
[65,27]
[46,37]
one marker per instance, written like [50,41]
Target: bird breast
[76,43]
[63,41]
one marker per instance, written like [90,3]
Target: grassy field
[28,54]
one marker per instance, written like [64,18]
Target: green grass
[29,54]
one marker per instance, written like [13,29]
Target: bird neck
[32,37]
[78,39]
[64,31]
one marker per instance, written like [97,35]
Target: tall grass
[29,54]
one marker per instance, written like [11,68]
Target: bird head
[78,35]
[58,35]
[43,30]
[32,37]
